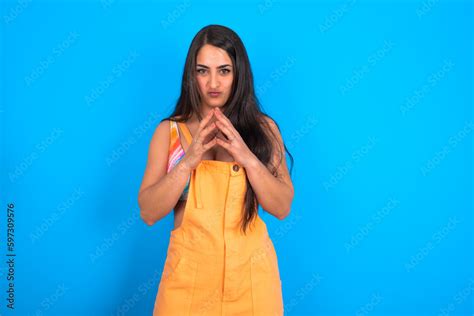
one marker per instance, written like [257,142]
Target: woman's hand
[234,144]
[197,147]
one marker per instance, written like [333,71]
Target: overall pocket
[176,289]
[266,284]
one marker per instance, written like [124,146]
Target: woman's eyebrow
[207,67]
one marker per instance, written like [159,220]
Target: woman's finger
[227,123]
[204,121]
[210,144]
[205,132]
[230,136]
[202,126]
[223,143]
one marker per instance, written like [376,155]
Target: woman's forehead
[212,56]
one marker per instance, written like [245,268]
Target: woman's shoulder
[177,118]
[268,122]
[166,129]
[169,122]
[271,128]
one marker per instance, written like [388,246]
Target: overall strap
[186,132]
[174,134]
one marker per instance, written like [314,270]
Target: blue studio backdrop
[373,99]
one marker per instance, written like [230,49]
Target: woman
[213,161]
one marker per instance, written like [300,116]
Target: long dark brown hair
[242,108]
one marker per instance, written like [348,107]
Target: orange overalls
[211,267]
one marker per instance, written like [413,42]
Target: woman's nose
[213,81]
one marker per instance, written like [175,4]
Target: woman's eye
[202,71]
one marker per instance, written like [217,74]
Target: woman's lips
[214,94]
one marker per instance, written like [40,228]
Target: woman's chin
[215,103]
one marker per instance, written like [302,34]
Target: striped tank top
[176,151]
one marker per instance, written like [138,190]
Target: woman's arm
[160,191]
[275,194]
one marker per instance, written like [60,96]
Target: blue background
[373,98]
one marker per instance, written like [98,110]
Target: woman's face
[214,74]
